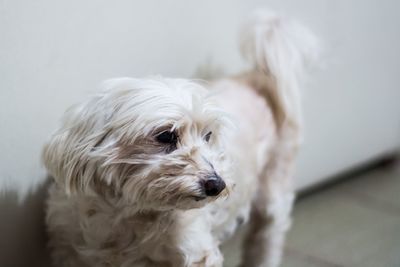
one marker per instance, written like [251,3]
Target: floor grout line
[311,258]
[372,202]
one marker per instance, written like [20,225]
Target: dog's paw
[211,259]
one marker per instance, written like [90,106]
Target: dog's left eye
[167,137]
[207,136]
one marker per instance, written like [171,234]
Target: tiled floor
[355,222]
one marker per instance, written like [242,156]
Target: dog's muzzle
[213,185]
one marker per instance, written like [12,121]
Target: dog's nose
[213,185]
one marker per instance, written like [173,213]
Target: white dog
[160,172]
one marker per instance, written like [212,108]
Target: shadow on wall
[22,229]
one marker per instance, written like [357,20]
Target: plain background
[54,53]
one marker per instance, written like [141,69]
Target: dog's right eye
[167,137]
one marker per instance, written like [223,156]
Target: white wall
[53,53]
[353,110]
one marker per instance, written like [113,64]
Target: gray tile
[378,188]
[298,262]
[294,258]
[354,223]
[335,227]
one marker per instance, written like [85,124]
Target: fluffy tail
[281,48]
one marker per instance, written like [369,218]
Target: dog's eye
[207,136]
[167,137]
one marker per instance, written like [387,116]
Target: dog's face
[157,144]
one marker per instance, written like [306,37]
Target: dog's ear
[70,155]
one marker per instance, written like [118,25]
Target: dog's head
[155,143]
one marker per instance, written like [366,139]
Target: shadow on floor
[23,238]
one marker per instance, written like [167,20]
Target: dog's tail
[281,49]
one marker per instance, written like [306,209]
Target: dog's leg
[206,256]
[196,243]
[270,216]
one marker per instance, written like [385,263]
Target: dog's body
[138,168]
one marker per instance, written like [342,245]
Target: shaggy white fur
[160,172]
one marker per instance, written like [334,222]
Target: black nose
[213,185]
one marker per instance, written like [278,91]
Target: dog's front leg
[200,257]
[196,243]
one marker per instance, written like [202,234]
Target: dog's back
[265,105]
